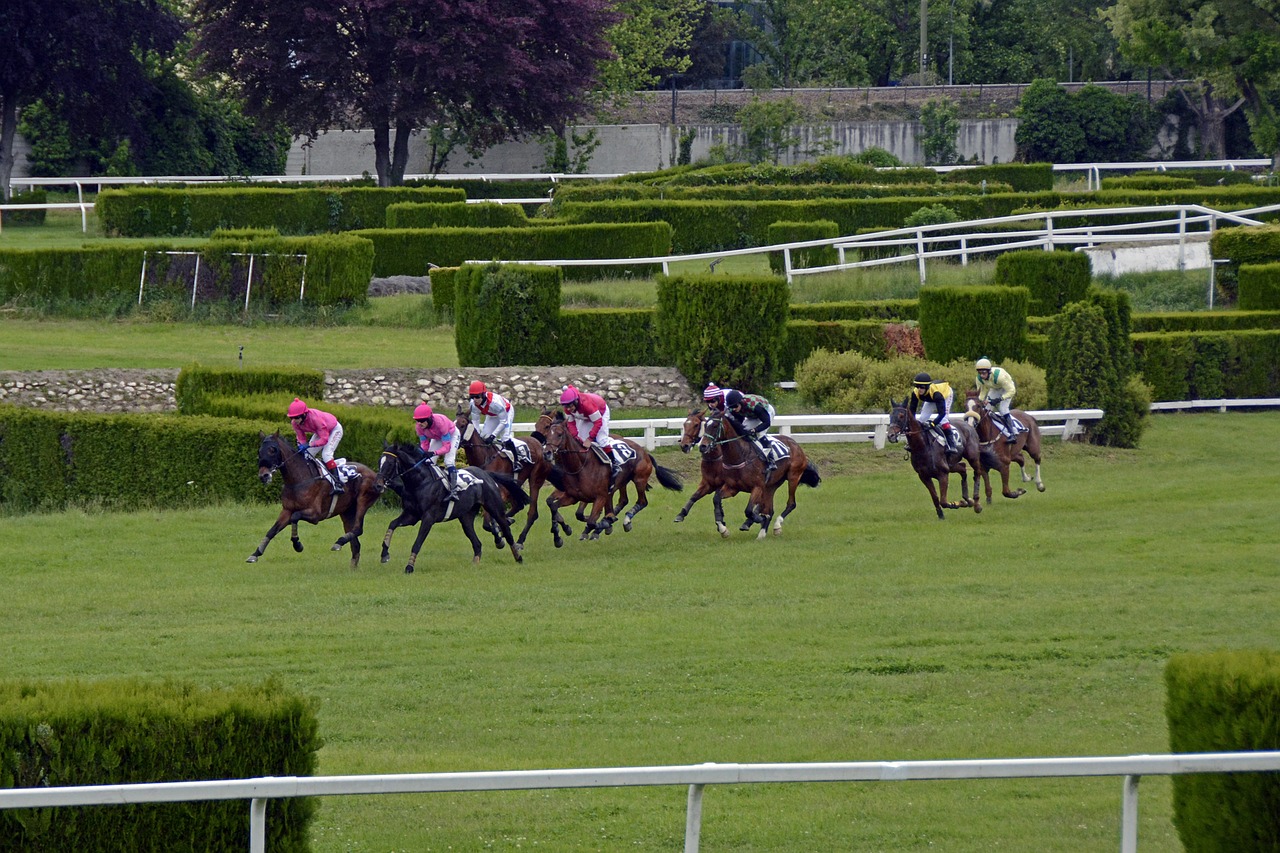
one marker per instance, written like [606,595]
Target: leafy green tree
[940,124]
[651,41]
[767,129]
[1049,130]
[88,56]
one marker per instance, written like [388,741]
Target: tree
[89,54]
[1048,130]
[940,124]
[652,41]
[494,69]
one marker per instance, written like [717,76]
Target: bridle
[711,442]
[553,451]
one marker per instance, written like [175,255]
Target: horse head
[712,428]
[388,469]
[899,420]
[270,455]
[692,429]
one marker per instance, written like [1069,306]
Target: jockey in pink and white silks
[494,417]
[325,433]
[589,420]
[438,436]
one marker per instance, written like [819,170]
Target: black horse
[421,485]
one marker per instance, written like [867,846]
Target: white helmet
[983,364]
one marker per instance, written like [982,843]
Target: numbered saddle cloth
[466,480]
[776,448]
[345,470]
[621,451]
[522,451]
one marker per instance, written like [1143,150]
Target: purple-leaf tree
[88,55]
[492,69]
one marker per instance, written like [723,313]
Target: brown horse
[730,467]
[580,475]
[1006,452]
[491,458]
[931,462]
[308,496]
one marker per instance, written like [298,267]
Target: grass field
[868,631]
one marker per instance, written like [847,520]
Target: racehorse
[580,475]
[422,487]
[931,462]
[730,467]
[491,458]
[308,496]
[1006,452]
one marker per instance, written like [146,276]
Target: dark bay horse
[930,459]
[491,458]
[1006,452]
[580,475]
[308,496]
[422,488]
[729,466]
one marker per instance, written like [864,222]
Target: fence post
[1129,816]
[142,280]
[920,252]
[258,825]
[693,819]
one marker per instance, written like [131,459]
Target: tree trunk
[8,130]
[400,154]
[382,151]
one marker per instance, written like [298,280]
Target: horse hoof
[408,570]
[626,526]
[297,545]
[475,561]
[336,547]
[746,525]
[386,558]
[559,543]
[760,537]
[499,544]
[253,558]
[977,507]
[678,519]
[1040,487]
[777,531]
[724,533]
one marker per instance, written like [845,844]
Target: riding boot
[769,465]
[331,471]
[453,484]
[950,436]
[515,455]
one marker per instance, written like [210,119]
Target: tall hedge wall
[799,232]
[1210,365]
[115,732]
[1226,701]
[1259,287]
[606,336]
[723,329]
[506,314]
[1054,278]
[197,384]
[455,214]
[967,322]
[1241,245]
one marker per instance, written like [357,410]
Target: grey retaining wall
[112,390]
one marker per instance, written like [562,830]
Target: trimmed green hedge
[723,329]
[1210,365]
[896,310]
[26,217]
[455,214]
[442,290]
[617,191]
[127,731]
[799,232]
[1053,278]
[606,336]
[155,211]
[1225,701]
[1201,321]
[197,384]
[967,322]
[1259,287]
[409,251]
[1238,246]
[506,314]
[1159,181]
[1022,177]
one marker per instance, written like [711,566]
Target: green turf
[868,631]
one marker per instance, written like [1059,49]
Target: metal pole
[1129,816]
[693,819]
[143,277]
[248,283]
[195,279]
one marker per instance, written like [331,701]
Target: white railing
[1093,171]
[258,791]
[1220,405]
[873,427]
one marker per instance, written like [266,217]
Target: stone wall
[153,390]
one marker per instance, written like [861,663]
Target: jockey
[325,432]
[751,415]
[996,387]
[713,395]
[439,436]
[499,417]
[934,400]
[589,419]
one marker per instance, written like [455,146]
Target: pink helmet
[712,392]
[568,395]
[297,408]
[422,412]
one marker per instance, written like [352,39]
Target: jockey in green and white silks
[996,387]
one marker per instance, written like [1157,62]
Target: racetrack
[868,631]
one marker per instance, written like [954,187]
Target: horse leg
[597,521]
[405,519]
[417,544]
[642,501]
[468,522]
[293,537]
[491,527]
[281,522]
[933,493]
[351,523]
[556,523]
[718,504]
[531,515]
[766,512]
[793,483]
[698,494]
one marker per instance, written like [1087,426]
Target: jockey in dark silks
[751,416]
[934,401]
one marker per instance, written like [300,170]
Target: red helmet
[422,412]
[297,408]
[712,392]
[476,389]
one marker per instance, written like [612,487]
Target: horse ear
[262,436]
[460,409]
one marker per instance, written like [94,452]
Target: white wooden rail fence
[697,776]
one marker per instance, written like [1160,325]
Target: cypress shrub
[506,314]
[126,731]
[1226,701]
[799,232]
[726,329]
[442,290]
[606,336]
[965,322]
[455,214]
[1054,278]
[1259,287]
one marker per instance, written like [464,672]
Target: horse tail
[668,478]
[811,477]
[515,494]
[989,458]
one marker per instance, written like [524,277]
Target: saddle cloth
[345,471]
[522,450]
[776,449]
[621,451]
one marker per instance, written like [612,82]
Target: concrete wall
[646,147]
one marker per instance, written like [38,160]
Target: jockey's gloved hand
[302,447]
